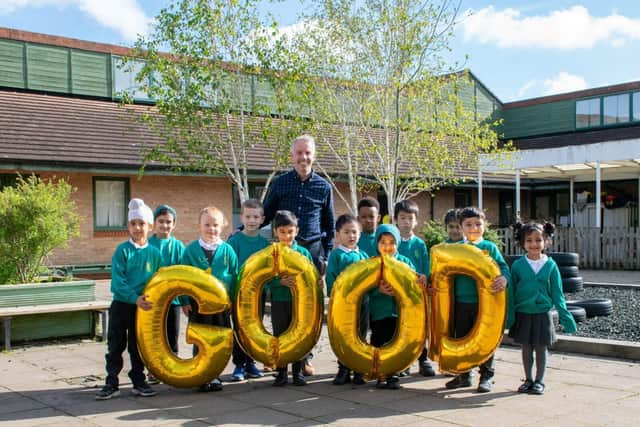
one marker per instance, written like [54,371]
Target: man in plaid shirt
[309,197]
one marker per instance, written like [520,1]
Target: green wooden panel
[48,68]
[11,64]
[89,74]
[539,119]
[53,325]
[466,94]
[47,293]
[485,105]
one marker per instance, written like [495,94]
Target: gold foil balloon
[307,303]
[460,355]
[349,288]
[214,343]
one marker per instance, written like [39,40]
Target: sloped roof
[43,130]
[65,131]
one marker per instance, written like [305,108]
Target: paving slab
[55,384]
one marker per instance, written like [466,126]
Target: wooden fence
[599,248]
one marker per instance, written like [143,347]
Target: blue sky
[519,49]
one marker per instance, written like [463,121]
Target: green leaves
[36,217]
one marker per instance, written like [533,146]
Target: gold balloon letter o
[214,343]
[349,288]
[462,354]
[306,317]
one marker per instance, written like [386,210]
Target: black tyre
[565,258]
[572,284]
[510,259]
[595,307]
[579,314]
[568,271]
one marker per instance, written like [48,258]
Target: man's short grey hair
[307,138]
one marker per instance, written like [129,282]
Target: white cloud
[563,82]
[566,29]
[522,92]
[124,16]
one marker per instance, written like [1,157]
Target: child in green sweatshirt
[405,215]
[132,265]
[472,221]
[342,256]
[245,243]
[211,252]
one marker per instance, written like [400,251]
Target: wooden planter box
[49,325]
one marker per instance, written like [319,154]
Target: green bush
[434,232]
[36,217]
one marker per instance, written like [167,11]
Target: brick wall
[188,195]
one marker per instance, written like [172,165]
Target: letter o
[307,302]
[460,355]
[214,343]
[349,288]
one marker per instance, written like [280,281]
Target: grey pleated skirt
[533,329]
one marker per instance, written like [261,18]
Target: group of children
[533,285]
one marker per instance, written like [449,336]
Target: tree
[208,110]
[377,66]
[36,217]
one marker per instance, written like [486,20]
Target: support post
[571,202]
[7,333]
[480,189]
[517,195]
[597,195]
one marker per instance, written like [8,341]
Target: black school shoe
[426,370]
[342,377]
[537,388]
[458,382]
[484,386]
[392,383]
[525,387]
[298,379]
[281,379]
[107,392]
[215,385]
[143,390]
[358,379]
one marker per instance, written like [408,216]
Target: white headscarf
[138,210]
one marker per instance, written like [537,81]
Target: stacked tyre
[594,307]
[568,265]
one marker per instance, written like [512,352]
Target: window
[110,197]
[462,199]
[636,106]
[124,78]
[616,109]
[255,191]
[588,113]
[7,180]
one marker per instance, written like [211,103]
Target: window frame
[616,96]
[126,196]
[599,124]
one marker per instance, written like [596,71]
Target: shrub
[36,217]
[434,233]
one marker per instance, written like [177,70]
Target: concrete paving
[54,384]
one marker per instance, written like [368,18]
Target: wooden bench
[6,313]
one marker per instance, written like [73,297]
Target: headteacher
[309,196]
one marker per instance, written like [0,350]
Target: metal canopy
[611,160]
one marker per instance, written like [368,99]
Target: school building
[61,118]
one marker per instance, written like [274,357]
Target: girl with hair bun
[536,289]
